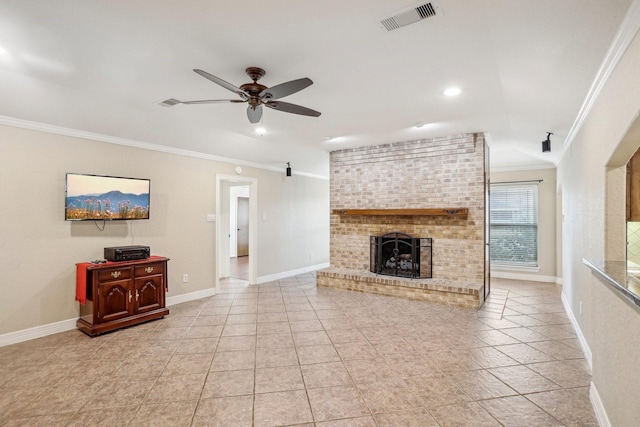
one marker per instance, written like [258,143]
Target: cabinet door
[633,188]
[115,300]
[149,293]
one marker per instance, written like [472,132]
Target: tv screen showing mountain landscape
[95,197]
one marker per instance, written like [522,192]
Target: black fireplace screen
[399,254]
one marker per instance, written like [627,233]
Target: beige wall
[610,326]
[38,249]
[546,224]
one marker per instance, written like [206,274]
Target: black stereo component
[127,253]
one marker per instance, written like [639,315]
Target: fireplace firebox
[402,255]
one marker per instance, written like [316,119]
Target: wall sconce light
[288,168]
[546,144]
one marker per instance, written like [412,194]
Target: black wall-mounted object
[288,169]
[546,144]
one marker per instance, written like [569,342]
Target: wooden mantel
[404,212]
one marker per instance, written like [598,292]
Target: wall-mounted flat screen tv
[97,197]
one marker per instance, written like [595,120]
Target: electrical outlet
[580,307]
[185,278]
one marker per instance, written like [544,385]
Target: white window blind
[514,223]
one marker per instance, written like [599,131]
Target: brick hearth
[441,291]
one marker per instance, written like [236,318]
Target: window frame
[525,186]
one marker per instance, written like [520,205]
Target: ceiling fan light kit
[256,95]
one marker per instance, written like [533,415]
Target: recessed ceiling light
[452,91]
[418,125]
[332,138]
[261,131]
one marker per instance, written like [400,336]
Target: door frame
[223,183]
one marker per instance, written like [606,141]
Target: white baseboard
[596,402]
[291,273]
[501,274]
[178,299]
[583,341]
[598,407]
[70,324]
[37,332]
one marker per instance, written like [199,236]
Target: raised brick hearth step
[441,291]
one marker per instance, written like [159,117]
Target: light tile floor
[239,267]
[289,353]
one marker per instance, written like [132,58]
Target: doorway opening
[236,228]
[239,232]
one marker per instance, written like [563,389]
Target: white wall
[546,271]
[294,227]
[38,249]
[610,325]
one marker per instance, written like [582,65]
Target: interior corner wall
[39,249]
[610,325]
[546,222]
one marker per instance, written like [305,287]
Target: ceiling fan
[256,95]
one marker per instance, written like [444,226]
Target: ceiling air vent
[412,15]
[169,102]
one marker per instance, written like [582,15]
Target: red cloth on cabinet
[81,282]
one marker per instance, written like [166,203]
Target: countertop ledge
[616,275]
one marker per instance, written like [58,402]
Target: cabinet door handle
[148,270]
[116,274]
[137,295]
[129,296]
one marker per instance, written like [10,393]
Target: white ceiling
[524,67]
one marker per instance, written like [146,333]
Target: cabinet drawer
[115,274]
[149,269]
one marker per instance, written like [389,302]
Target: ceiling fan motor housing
[255,88]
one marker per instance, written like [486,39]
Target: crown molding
[59,130]
[523,167]
[625,35]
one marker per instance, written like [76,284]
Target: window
[514,224]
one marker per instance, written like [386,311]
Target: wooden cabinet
[121,294]
[633,188]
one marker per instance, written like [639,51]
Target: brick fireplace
[432,188]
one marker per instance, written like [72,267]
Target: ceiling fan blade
[212,101]
[224,84]
[285,89]
[254,115]
[292,108]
